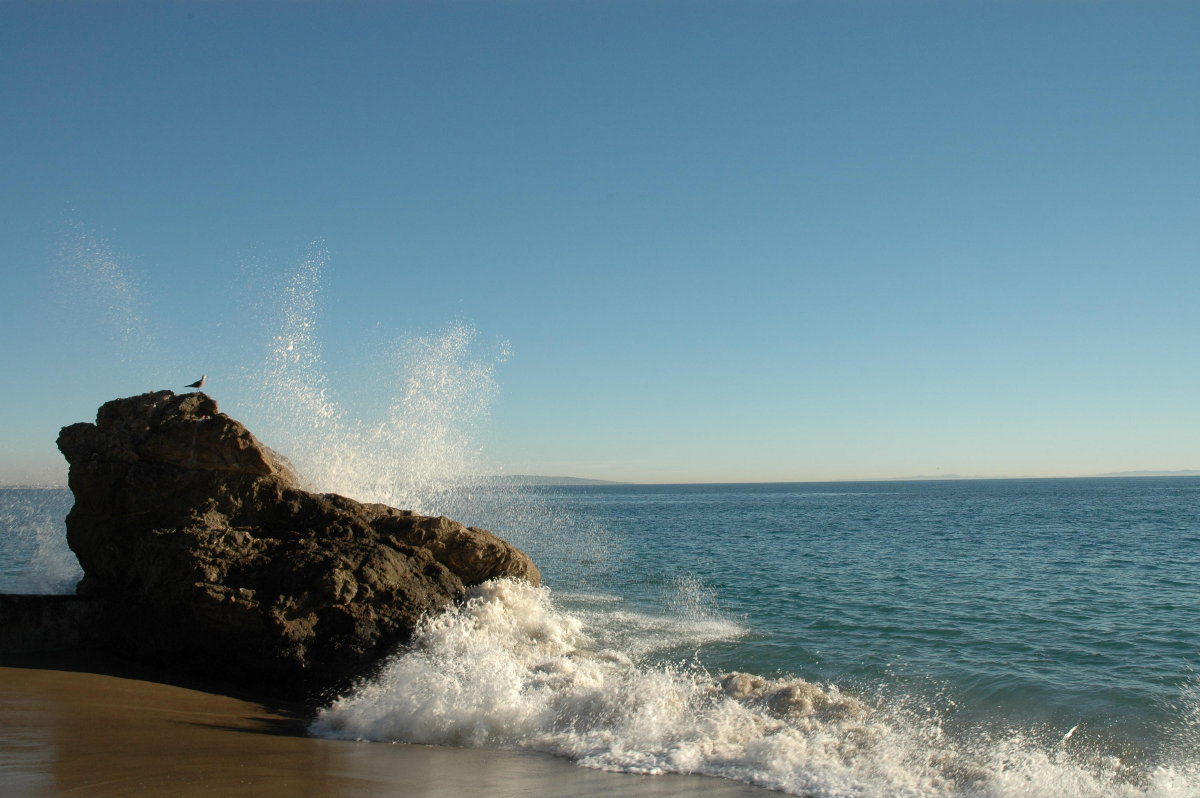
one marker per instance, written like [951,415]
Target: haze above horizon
[666,242]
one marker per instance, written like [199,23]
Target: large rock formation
[206,554]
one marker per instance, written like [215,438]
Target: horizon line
[1147,474]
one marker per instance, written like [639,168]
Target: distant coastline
[535,479]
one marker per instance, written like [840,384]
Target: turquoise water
[1056,602]
[1009,637]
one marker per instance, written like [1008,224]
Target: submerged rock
[208,555]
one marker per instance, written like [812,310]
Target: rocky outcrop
[206,554]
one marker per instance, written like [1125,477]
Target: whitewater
[1005,638]
[508,669]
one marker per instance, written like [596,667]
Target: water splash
[35,557]
[422,452]
[510,669]
[103,286]
[431,429]
[693,600]
[292,390]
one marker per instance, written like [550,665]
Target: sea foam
[508,668]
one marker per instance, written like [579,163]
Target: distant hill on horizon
[535,479]
[935,477]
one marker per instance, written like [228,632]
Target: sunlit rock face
[209,556]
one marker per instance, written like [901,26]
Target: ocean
[1034,637]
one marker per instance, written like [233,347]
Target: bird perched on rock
[198,383]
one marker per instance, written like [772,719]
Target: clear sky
[723,241]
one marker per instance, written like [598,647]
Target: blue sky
[723,241]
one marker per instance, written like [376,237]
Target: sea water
[957,638]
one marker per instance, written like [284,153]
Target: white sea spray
[507,668]
[97,283]
[34,557]
[421,452]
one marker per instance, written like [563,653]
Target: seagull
[198,383]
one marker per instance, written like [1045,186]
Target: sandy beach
[98,728]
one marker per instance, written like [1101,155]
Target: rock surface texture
[207,555]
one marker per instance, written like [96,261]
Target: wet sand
[97,729]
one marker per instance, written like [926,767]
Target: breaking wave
[508,668]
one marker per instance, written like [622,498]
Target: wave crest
[506,668]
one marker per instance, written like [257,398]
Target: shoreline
[88,724]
